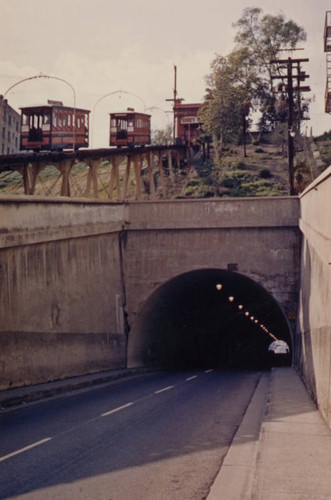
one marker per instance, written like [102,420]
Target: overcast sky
[102,46]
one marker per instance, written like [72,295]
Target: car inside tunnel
[209,318]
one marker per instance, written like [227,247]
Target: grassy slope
[263,172]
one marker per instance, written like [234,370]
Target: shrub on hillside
[265,173]
[325,154]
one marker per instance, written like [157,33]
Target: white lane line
[209,371]
[191,378]
[164,389]
[117,409]
[2,459]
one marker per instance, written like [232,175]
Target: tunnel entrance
[208,318]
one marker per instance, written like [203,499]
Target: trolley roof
[50,106]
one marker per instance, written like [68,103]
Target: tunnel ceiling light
[256,321]
[252,318]
[231,299]
[240,306]
[219,286]
[246,313]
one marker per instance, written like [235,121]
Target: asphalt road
[156,436]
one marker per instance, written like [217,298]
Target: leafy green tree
[162,136]
[242,80]
[263,37]
[221,112]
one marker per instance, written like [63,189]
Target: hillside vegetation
[263,172]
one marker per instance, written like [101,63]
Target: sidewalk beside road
[288,456]
[281,451]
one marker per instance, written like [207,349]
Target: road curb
[27,394]
[235,478]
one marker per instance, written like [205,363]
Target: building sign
[54,103]
[189,120]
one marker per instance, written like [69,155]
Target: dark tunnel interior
[209,318]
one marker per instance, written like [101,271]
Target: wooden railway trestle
[116,174]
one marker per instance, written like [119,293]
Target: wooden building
[187,122]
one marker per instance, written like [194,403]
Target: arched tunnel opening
[209,318]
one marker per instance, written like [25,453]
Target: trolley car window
[122,124]
[35,123]
[47,117]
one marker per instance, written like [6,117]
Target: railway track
[15,161]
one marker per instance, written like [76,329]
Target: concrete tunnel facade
[208,318]
[89,279]
[175,254]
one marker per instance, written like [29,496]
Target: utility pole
[290,132]
[293,71]
[174,100]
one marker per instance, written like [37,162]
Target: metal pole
[290,125]
[175,97]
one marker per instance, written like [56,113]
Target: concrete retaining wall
[69,269]
[314,321]
[61,292]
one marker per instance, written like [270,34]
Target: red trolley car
[54,127]
[130,129]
